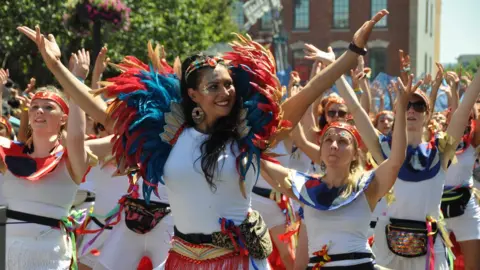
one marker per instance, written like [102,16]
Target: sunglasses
[418,106]
[340,114]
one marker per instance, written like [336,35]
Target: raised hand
[439,77]
[313,53]
[452,77]
[30,86]
[293,85]
[81,61]
[404,66]
[4,74]
[427,80]
[360,37]
[404,92]
[101,62]
[46,45]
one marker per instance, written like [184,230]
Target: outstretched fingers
[416,86]
[370,24]
[28,32]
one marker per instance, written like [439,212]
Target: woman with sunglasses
[338,205]
[332,108]
[408,236]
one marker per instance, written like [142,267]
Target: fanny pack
[141,217]
[454,202]
[253,233]
[409,238]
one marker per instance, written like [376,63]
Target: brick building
[412,25]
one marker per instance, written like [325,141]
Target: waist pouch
[454,202]
[408,238]
[141,217]
[253,232]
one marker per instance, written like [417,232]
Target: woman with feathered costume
[202,137]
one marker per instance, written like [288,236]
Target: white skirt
[467,226]
[33,246]
[124,248]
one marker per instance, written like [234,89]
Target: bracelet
[358,91]
[354,48]
[406,69]
[25,109]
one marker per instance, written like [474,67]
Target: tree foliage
[182,26]
[471,68]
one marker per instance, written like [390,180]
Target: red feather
[145,264]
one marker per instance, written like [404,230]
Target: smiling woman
[40,182]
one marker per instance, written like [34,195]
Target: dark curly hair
[221,133]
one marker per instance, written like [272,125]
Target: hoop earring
[198,115]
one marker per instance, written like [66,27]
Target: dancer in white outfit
[407,236]
[39,185]
[459,204]
[338,205]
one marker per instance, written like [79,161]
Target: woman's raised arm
[295,107]
[72,86]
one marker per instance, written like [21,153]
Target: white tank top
[346,229]
[417,200]
[195,207]
[460,173]
[52,196]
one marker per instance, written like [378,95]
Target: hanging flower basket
[84,13]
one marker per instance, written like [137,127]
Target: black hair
[223,131]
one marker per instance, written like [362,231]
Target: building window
[378,60]
[238,16]
[341,12]
[376,6]
[267,23]
[302,14]
[431,19]
[426,17]
[301,65]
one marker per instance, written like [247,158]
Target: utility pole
[279,37]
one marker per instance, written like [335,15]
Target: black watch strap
[354,48]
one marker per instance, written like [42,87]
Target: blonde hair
[357,168]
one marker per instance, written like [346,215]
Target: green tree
[471,68]
[182,26]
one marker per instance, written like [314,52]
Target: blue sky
[460,29]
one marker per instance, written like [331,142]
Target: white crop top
[52,196]
[195,207]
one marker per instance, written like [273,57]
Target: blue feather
[151,105]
